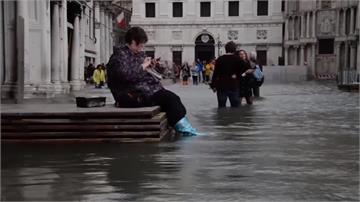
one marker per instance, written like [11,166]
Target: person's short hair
[230,47]
[252,56]
[137,34]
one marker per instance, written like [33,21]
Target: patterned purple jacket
[125,75]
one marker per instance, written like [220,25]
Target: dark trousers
[168,101]
[195,80]
[256,91]
[233,96]
[171,104]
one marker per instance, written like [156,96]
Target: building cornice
[193,44]
[208,24]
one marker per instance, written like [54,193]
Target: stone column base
[8,91]
[66,87]
[38,91]
[76,85]
[46,90]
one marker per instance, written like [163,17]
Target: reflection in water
[299,143]
[85,172]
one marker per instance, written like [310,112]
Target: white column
[343,23]
[286,56]
[307,24]
[313,24]
[106,37]
[313,61]
[55,45]
[75,56]
[290,29]
[337,58]
[111,41]
[82,45]
[97,34]
[286,29]
[22,71]
[293,29]
[296,30]
[2,65]
[337,24]
[296,50]
[64,41]
[358,46]
[301,55]
[22,12]
[352,56]
[102,33]
[352,13]
[346,66]
[302,26]
[46,43]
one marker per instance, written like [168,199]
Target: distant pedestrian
[185,73]
[200,68]
[209,68]
[195,74]
[99,76]
[225,81]
[177,70]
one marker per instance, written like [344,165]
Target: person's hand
[146,63]
[243,75]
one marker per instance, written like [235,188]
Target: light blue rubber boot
[184,127]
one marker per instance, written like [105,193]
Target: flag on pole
[120,19]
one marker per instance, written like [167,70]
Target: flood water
[300,142]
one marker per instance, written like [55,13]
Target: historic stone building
[183,30]
[46,44]
[324,35]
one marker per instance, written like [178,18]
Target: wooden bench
[67,123]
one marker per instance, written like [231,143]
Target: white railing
[348,77]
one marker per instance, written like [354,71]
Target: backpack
[258,74]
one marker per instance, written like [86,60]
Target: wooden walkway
[60,123]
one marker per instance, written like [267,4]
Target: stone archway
[204,47]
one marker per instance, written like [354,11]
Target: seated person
[133,86]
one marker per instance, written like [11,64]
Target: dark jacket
[127,79]
[228,70]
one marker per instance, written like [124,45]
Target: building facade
[46,44]
[324,35]
[184,30]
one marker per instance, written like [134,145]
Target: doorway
[204,47]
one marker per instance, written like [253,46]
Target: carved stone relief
[261,34]
[233,35]
[326,22]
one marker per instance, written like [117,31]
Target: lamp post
[219,44]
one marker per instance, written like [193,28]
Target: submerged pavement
[299,142]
